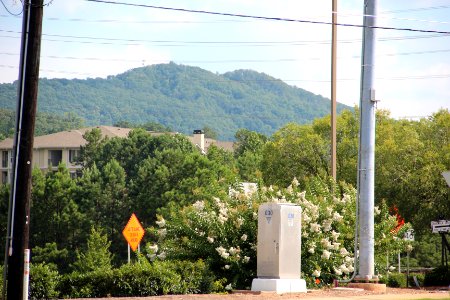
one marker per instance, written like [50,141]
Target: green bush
[438,277]
[145,279]
[140,279]
[87,285]
[43,281]
[394,280]
[196,277]
[420,278]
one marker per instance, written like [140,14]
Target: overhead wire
[10,12]
[232,60]
[119,21]
[414,9]
[418,77]
[268,18]
[436,34]
[93,39]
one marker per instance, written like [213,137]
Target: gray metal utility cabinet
[278,250]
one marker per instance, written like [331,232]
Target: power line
[395,18]
[341,14]
[414,9]
[111,41]
[416,77]
[267,18]
[10,12]
[231,60]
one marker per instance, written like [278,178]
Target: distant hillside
[45,123]
[181,97]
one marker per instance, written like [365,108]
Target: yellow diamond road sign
[133,232]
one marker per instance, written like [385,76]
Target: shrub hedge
[394,280]
[140,279]
[44,279]
[440,276]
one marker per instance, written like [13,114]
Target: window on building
[73,156]
[4,159]
[54,157]
[4,177]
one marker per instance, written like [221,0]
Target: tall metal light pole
[366,168]
[333,88]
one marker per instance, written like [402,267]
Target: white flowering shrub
[223,232]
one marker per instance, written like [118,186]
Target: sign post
[442,227]
[133,233]
[409,236]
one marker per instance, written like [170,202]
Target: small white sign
[268,214]
[290,220]
[409,235]
[440,226]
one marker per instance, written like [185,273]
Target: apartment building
[52,149]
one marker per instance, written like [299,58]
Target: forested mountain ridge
[180,97]
[45,123]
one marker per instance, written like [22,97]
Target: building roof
[68,139]
[220,144]
[74,138]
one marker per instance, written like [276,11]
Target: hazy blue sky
[87,39]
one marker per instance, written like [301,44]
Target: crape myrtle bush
[222,232]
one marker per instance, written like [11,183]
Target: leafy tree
[56,216]
[295,151]
[50,255]
[91,151]
[248,151]
[177,178]
[116,207]
[210,132]
[247,140]
[97,255]
[249,166]
[89,197]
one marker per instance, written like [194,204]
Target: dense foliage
[181,97]
[45,123]
[195,222]
[409,159]
[222,231]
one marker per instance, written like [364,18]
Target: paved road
[349,294]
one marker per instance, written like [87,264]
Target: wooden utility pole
[333,88]
[19,211]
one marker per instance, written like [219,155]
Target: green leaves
[97,255]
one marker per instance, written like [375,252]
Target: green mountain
[45,123]
[181,97]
